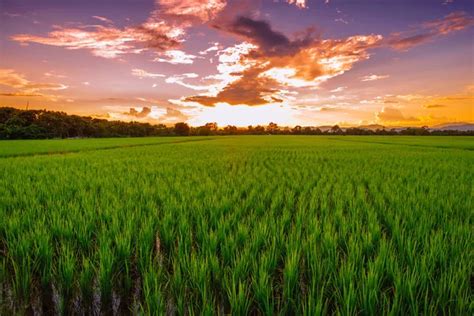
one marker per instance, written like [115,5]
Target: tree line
[41,124]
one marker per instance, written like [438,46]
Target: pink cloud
[299,3]
[164,30]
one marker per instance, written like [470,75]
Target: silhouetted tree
[36,124]
[336,130]
[181,129]
[272,128]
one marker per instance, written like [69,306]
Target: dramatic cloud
[140,73]
[374,77]
[274,62]
[269,41]
[250,90]
[452,22]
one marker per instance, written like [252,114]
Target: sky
[245,62]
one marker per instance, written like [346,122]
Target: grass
[250,224]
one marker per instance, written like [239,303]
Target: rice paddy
[264,225]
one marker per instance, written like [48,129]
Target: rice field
[262,225]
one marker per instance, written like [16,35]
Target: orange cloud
[8,77]
[392,115]
[250,89]
[434,106]
[20,94]
[189,11]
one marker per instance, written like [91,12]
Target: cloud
[250,90]
[153,114]
[103,19]
[108,42]
[451,23]
[341,20]
[20,94]
[190,11]
[272,62]
[173,116]
[434,106]
[338,89]
[215,47]
[179,79]
[145,74]
[8,77]
[299,3]
[175,57]
[139,114]
[388,114]
[162,31]
[330,109]
[374,77]
[270,42]
[52,74]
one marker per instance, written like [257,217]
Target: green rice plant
[238,225]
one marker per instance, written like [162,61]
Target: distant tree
[259,130]
[272,128]
[230,130]
[336,130]
[211,126]
[35,124]
[296,130]
[181,129]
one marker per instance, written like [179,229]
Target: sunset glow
[292,62]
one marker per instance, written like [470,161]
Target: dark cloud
[269,41]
